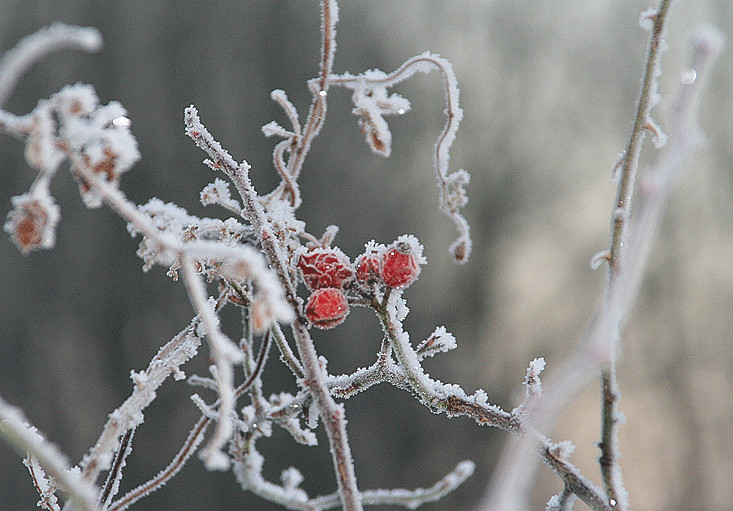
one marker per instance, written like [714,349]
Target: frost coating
[450,185]
[32,221]
[35,46]
[251,259]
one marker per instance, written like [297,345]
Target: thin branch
[630,160]
[260,364]
[319,87]
[581,368]
[195,437]
[26,439]
[31,48]
[167,361]
[278,161]
[333,416]
[451,185]
[410,499]
[225,353]
[42,484]
[286,354]
[437,396]
[112,483]
[610,471]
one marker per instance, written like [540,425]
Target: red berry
[401,262]
[368,264]
[325,267]
[327,307]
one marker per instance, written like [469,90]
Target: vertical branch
[319,87]
[333,417]
[611,473]
[112,483]
[630,161]
[314,376]
[224,354]
[610,470]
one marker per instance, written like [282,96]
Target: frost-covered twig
[195,437]
[452,400]
[43,485]
[332,414]
[14,427]
[224,353]
[167,361]
[31,48]
[437,396]
[112,484]
[628,165]
[410,499]
[580,369]
[372,102]
[289,495]
[300,141]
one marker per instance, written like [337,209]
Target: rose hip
[401,262]
[325,267]
[327,307]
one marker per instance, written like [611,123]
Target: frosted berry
[401,262]
[368,264]
[32,222]
[327,307]
[325,267]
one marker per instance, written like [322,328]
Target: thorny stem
[610,471]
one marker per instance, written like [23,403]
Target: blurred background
[548,90]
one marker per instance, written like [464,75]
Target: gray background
[548,90]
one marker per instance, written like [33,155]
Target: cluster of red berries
[328,272]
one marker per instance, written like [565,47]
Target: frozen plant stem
[610,470]
[35,46]
[14,427]
[630,161]
[609,439]
[331,413]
